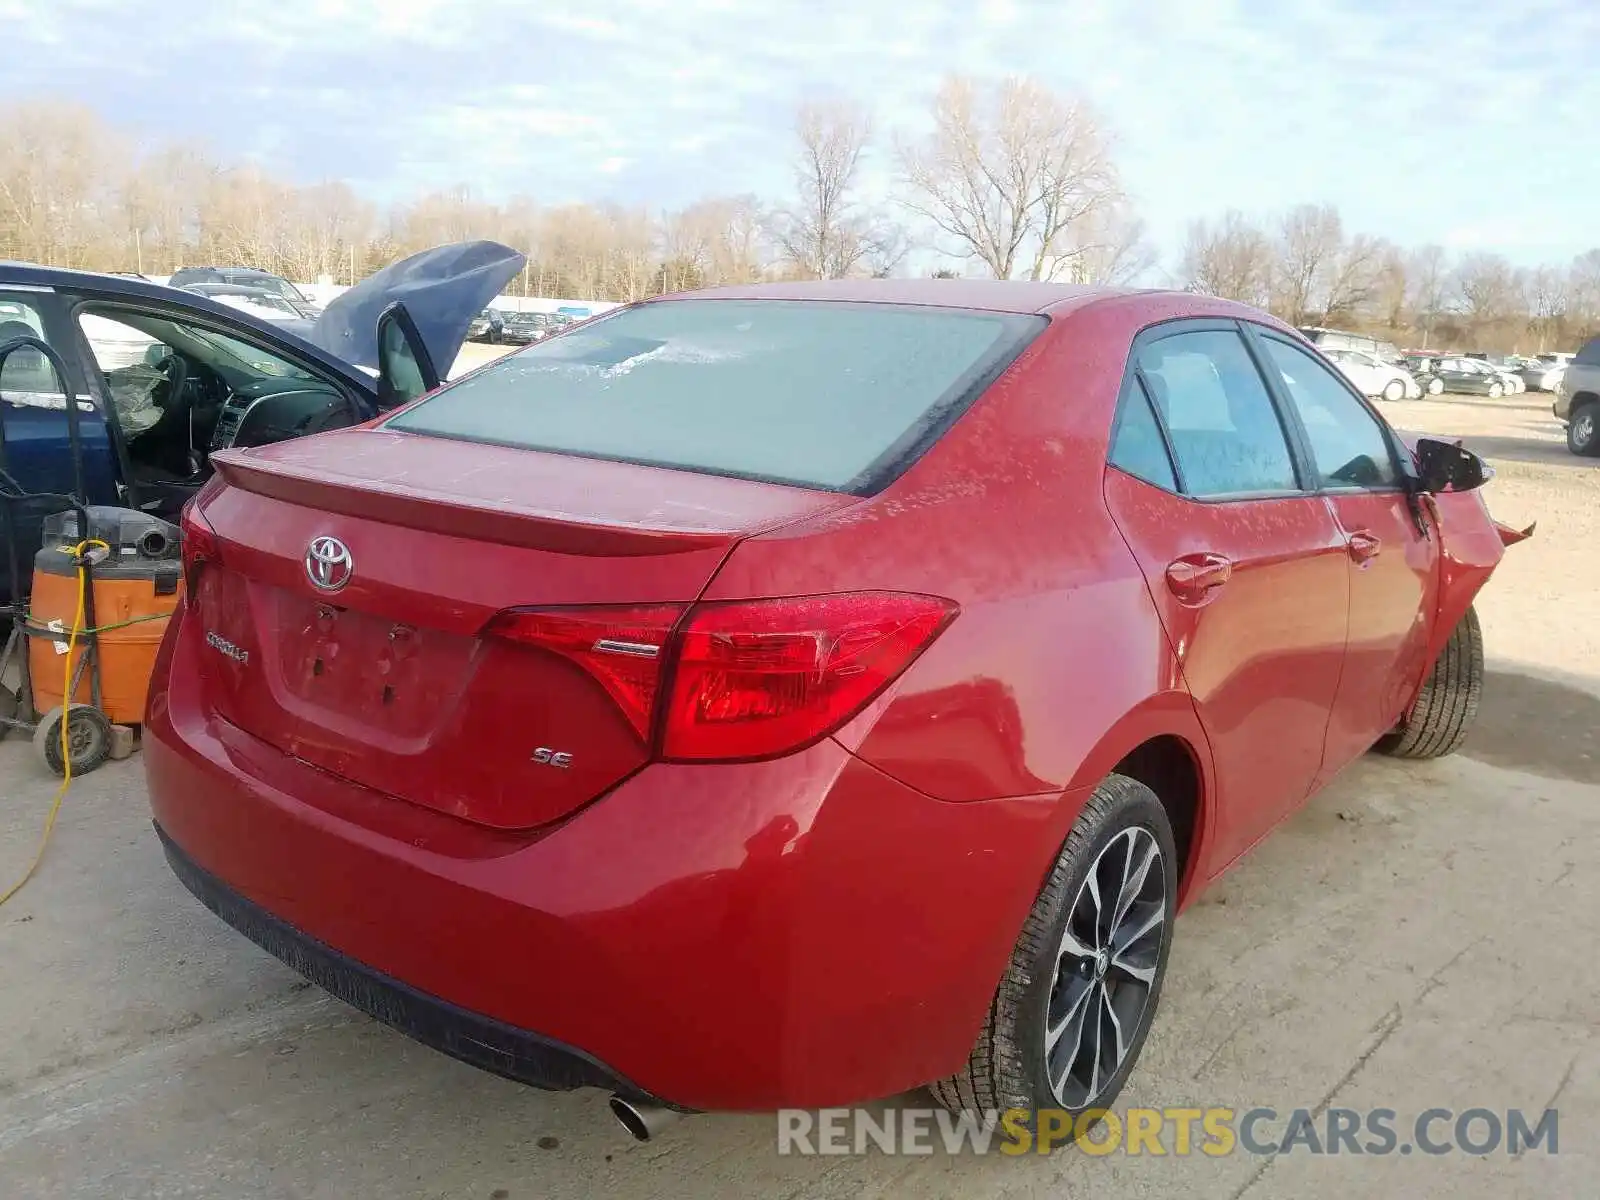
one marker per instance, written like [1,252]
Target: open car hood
[442,290]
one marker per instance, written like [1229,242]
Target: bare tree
[826,234]
[1546,304]
[1583,288]
[1011,176]
[1391,288]
[1428,271]
[1353,276]
[1487,287]
[1310,243]
[1108,248]
[1231,259]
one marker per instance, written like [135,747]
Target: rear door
[1245,563]
[1393,561]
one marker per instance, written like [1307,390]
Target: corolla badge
[328,563]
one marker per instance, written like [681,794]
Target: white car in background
[1544,373]
[1373,376]
[266,304]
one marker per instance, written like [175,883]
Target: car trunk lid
[387,678]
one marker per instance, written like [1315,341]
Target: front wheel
[1496,391]
[1448,700]
[1072,1011]
[1583,431]
[1394,390]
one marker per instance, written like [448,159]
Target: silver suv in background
[1577,403]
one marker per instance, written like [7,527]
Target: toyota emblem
[328,563]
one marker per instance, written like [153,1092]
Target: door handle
[1194,577]
[1365,545]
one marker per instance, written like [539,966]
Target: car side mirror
[1443,466]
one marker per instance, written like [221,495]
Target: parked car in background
[524,328]
[1577,402]
[703,728]
[1424,369]
[270,305]
[1544,371]
[1374,377]
[1339,339]
[1509,370]
[1469,376]
[487,326]
[247,277]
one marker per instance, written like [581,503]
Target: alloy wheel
[1105,969]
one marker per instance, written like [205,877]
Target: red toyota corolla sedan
[791,695]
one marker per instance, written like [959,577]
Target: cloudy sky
[1468,123]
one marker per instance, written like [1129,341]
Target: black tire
[88,734]
[1447,703]
[1007,1067]
[1496,391]
[1583,430]
[1435,387]
[1394,390]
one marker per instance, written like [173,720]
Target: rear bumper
[494,1046]
[803,932]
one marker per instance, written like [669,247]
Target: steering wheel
[177,369]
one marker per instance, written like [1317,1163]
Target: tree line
[1307,268]
[1010,179]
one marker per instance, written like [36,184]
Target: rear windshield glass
[1589,356]
[834,396]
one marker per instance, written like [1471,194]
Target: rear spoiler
[419,508]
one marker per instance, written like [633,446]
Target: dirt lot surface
[1418,936]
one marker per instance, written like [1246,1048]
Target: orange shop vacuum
[135,577]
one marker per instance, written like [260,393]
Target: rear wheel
[1071,1013]
[1583,431]
[1448,702]
[1394,390]
[1435,387]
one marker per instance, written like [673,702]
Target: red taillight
[749,678]
[199,545]
[758,678]
[624,648]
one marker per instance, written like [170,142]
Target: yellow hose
[78,552]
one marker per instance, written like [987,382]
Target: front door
[1246,565]
[1393,561]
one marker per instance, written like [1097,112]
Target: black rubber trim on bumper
[481,1041]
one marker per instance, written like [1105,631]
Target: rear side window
[832,396]
[1139,449]
[1225,430]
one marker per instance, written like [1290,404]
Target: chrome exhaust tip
[641,1119]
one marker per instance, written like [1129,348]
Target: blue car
[165,377]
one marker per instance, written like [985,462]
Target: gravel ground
[1418,936]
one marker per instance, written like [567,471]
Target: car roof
[990,295]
